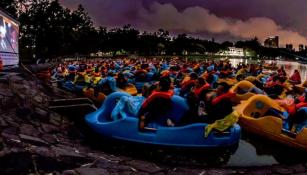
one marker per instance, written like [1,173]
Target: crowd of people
[199,82]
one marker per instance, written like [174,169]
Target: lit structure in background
[272,42]
[289,47]
[235,52]
[9,33]
[301,47]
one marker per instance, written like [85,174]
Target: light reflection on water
[256,152]
[289,66]
[246,155]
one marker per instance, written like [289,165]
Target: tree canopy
[50,30]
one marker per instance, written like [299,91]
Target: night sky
[222,19]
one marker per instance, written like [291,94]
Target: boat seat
[179,108]
[255,115]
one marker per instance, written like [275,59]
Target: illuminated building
[272,42]
[232,51]
[301,48]
[289,47]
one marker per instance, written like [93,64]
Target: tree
[11,6]
[86,40]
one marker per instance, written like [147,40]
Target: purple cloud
[235,18]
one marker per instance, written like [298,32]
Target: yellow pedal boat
[252,118]
[130,89]
[90,93]
[244,86]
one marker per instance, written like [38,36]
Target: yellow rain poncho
[223,124]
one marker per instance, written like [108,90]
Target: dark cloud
[288,13]
[236,18]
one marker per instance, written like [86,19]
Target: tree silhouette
[48,30]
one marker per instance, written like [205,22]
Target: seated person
[79,78]
[189,84]
[241,74]
[140,75]
[108,84]
[71,73]
[225,72]
[148,89]
[200,85]
[218,104]
[295,78]
[298,117]
[254,90]
[121,81]
[258,84]
[274,88]
[96,77]
[159,102]
[211,77]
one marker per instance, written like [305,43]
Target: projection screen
[9,33]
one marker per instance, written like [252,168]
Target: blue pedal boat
[71,87]
[189,136]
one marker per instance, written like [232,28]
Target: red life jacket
[296,78]
[295,107]
[199,90]
[188,83]
[157,94]
[225,96]
[301,98]
[301,105]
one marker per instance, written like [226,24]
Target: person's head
[193,76]
[275,78]
[296,71]
[282,79]
[147,89]
[110,74]
[200,81]
[165,83]
[222,88]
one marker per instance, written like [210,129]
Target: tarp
[127,106]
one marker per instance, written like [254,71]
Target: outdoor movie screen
[9,31]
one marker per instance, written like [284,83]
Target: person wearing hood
[295,78]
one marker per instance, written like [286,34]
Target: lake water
[254,151]
[289,66]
